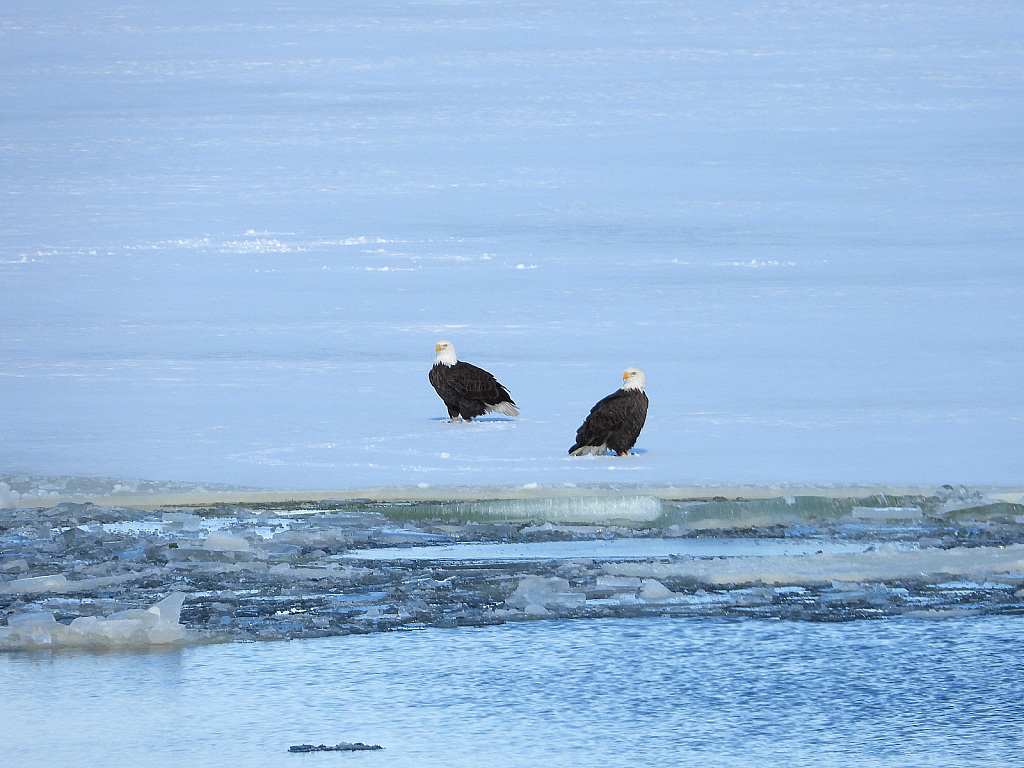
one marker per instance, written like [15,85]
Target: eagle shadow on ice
[608,452]
[480,420]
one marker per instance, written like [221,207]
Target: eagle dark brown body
[615,421]
[467,391]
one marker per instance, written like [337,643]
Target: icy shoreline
[25,491]
[81,574]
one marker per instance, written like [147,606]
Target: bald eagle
[468,391]
[615,422]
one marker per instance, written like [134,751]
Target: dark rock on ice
[342,747]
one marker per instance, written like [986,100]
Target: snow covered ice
[229,245]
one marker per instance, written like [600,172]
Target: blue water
[650,692]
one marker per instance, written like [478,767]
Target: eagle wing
[475,383]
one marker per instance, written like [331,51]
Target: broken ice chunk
[219,541]
[12,565]
[883,514]
[168,610]
[55,583]
[586,509]
[32,628]
[183,521]
[156,625]
[654,591]
[538,594]
[27,622]
[8,499]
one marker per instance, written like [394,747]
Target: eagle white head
[633,378]
[445,353]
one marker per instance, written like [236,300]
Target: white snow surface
[231,236]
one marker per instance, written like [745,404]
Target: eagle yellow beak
[437,348]
[627,375]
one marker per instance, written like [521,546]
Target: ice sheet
[886,564]
[226,259]
[608,549]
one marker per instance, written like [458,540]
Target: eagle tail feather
[504,407]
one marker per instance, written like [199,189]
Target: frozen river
[231,510]
[231,237]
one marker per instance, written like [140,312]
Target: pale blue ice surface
[230,237]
